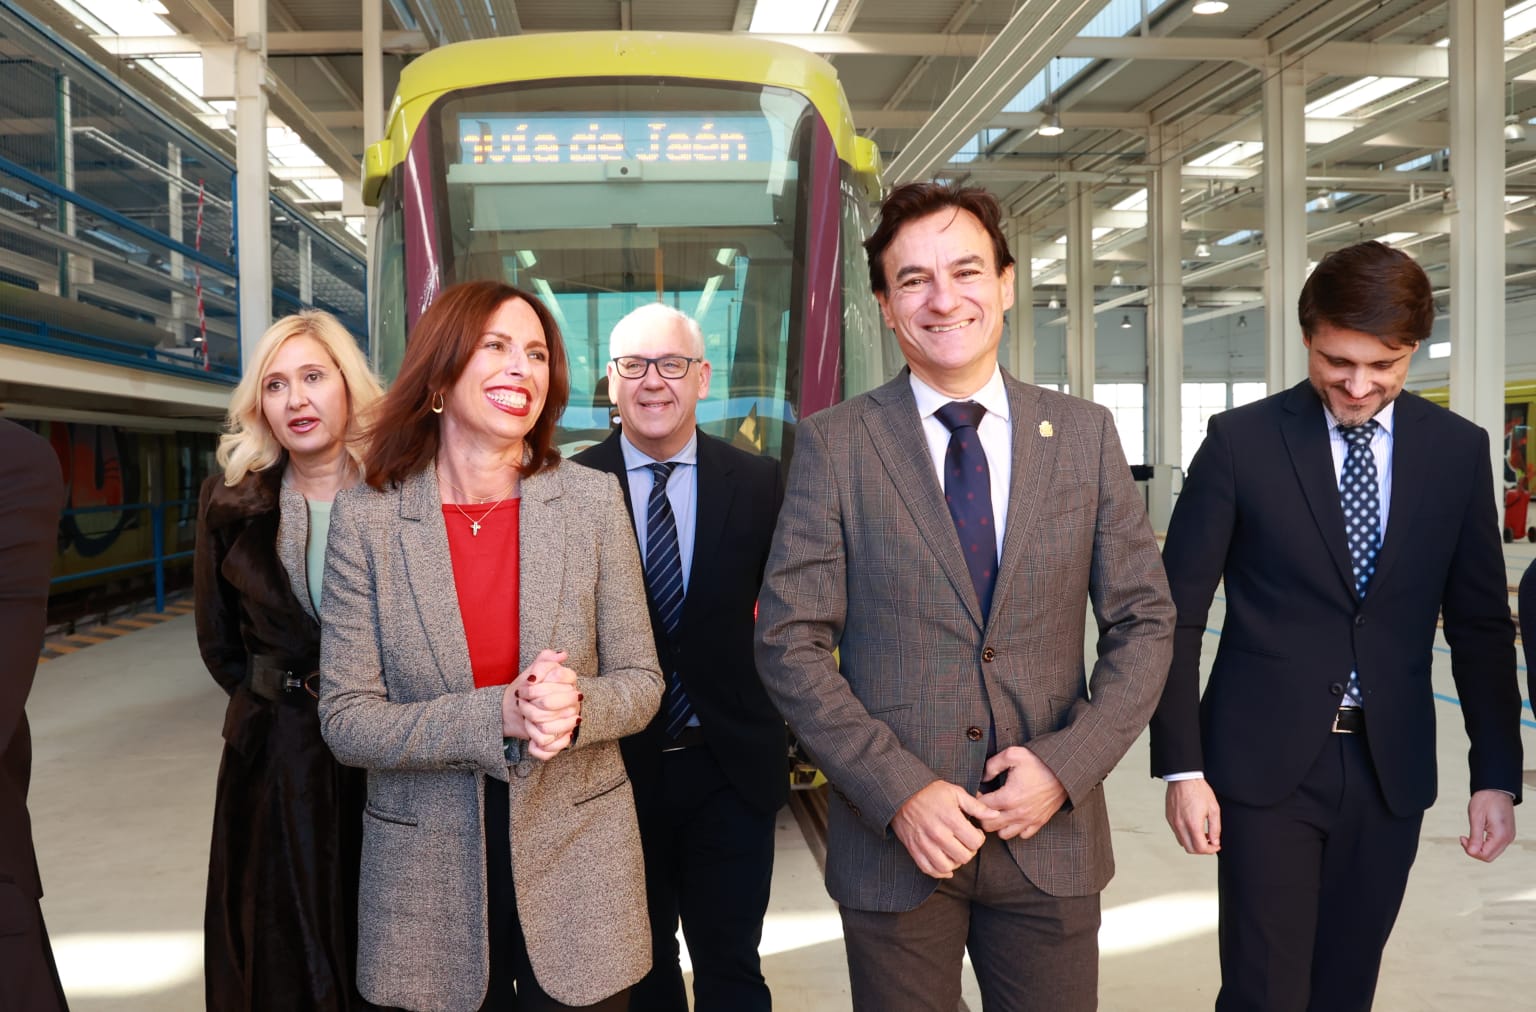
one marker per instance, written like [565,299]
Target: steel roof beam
[1034,34]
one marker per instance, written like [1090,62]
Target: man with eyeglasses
[711,771]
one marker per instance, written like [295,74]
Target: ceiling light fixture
[1125,322]
[1210,7]
[1116,280]
[1055,303]
[1203,250]
[1242,321]
[1051,125]
[1514,130]
[1324,200]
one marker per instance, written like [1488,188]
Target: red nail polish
[532,679]
[580,697]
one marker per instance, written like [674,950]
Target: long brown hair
[405,432]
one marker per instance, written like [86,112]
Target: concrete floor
[127,747]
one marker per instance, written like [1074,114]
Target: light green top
[314,552]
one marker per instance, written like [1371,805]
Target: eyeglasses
[672,367]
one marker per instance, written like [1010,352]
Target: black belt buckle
[1349,720]
[691,736]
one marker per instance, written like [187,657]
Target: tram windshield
[599,197]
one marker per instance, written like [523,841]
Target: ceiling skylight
[792,16]
[1231,153]
[1345,100]
[1135,202]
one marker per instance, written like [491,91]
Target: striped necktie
[664,579]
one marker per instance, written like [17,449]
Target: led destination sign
[612,137]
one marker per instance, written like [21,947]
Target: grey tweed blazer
[866,561]
[397,697]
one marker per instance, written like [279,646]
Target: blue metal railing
[44,336]
[157,515]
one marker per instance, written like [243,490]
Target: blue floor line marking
[1524,703]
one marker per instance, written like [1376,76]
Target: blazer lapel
[1034,461]
[897,435]
[541,563]
[292,540]
[1410,478]
[716,491]
[429,571]
[1305,431]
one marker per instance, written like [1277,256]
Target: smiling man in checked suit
[1346,518]
[712,770]
[946,533]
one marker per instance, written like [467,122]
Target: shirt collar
[1383,418]
[993,396]
[636,458]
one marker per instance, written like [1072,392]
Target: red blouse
[485,576]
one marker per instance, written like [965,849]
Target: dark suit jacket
[1261,506]
[866,561]
[738,504]
[31,495]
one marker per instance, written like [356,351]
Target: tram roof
[567,55]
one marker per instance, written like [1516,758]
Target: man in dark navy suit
[711,771]
[1346,517]
[31,495]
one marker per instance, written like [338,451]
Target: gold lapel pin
[1046,432]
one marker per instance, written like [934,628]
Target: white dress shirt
[996,435]
[682,493]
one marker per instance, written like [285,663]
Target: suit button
[973,733]
[1337,688]
[1359,621]
[988,654]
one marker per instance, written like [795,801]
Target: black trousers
[512,986]
[1310,888]
[708,862]
[29,981]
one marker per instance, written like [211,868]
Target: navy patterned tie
[968,492]
[1360,496]
[664,578]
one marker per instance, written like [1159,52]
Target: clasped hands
[542,705]
[944,825]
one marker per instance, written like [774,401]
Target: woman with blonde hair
[280,926]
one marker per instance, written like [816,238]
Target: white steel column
[1021,333]
[252,203]
[1477,228]
[373,103]
[306,267]
[1285,222]
[1165,324]
[69,263]
[1080,320]
[177,324]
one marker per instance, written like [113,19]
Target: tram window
[387,329]
[601,197]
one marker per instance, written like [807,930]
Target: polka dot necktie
[664,578]
[1360,495]
[968,493]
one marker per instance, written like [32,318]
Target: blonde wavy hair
[248,444]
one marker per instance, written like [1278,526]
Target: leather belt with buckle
[272,682]
[1349,720]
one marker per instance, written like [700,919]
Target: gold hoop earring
[437,403]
